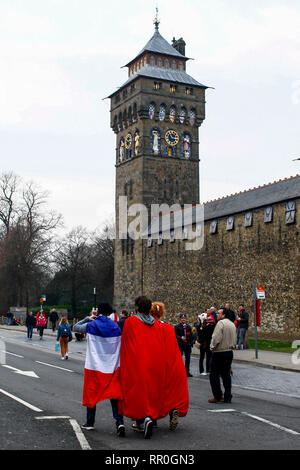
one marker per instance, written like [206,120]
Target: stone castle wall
[227,267]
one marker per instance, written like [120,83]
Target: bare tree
[28,228]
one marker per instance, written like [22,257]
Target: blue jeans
[9,321]
[241,332]
[29,331]
[91,413]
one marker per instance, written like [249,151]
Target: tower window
[165,189]
[159,62]
[189,91]
[152,60]
[157,86]
[172,88]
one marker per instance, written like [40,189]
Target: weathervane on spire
[156,20]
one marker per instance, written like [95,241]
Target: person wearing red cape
[152,374]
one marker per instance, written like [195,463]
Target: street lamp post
[95,298]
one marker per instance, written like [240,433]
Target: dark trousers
[220,368]
[204,352]
[29,331]
[91,413]
[186,350]
[53,325]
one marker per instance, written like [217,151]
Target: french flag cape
[153,377]
[102,364]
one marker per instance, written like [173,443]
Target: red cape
[176,395]
[152,374]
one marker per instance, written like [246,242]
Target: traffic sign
[260,293]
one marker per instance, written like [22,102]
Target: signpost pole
[255,321]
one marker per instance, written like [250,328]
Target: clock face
[128,141]
[172,138]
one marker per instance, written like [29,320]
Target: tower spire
[156,20]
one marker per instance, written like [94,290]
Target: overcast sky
[60,58]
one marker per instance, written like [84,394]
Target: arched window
[167,63]
[174,64]
[162,112]
[152,61]
[192,117]
[152,110]
[130,115]
[180,65]
[172,114]
[159,62]
[134,113]
[182,115]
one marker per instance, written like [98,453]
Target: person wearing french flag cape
[102,365]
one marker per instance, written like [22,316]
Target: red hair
[157,310]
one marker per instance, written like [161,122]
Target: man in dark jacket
[208,326]
[53,318]
[30,323]
[123,317]
[243,324]
[229,313]
[185,340]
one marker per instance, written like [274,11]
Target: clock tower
[156,115]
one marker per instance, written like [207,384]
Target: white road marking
[25,403]
[12,354]
[52,417]
[282,428]
[56,367]
[229,410]
[28,373]
[80,436]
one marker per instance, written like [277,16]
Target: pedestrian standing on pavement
[185,340]
[242,326]
[222,343]
[102,365]
[230,313]
[53,318]
[123,315]
[30,323]
[41,323]
[64,333]
[204,339]
[9,318]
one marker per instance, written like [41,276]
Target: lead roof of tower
[158,45]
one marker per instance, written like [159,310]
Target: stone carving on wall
[192,118]
[128,145]
[187,145]
[122,150]
[137,144]
[155,138]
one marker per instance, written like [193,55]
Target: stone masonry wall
[227,267]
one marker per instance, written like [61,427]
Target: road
[40,398]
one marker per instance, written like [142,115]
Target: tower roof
[158,45]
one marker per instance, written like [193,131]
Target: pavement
[267,359]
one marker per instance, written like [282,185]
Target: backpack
[65,331]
